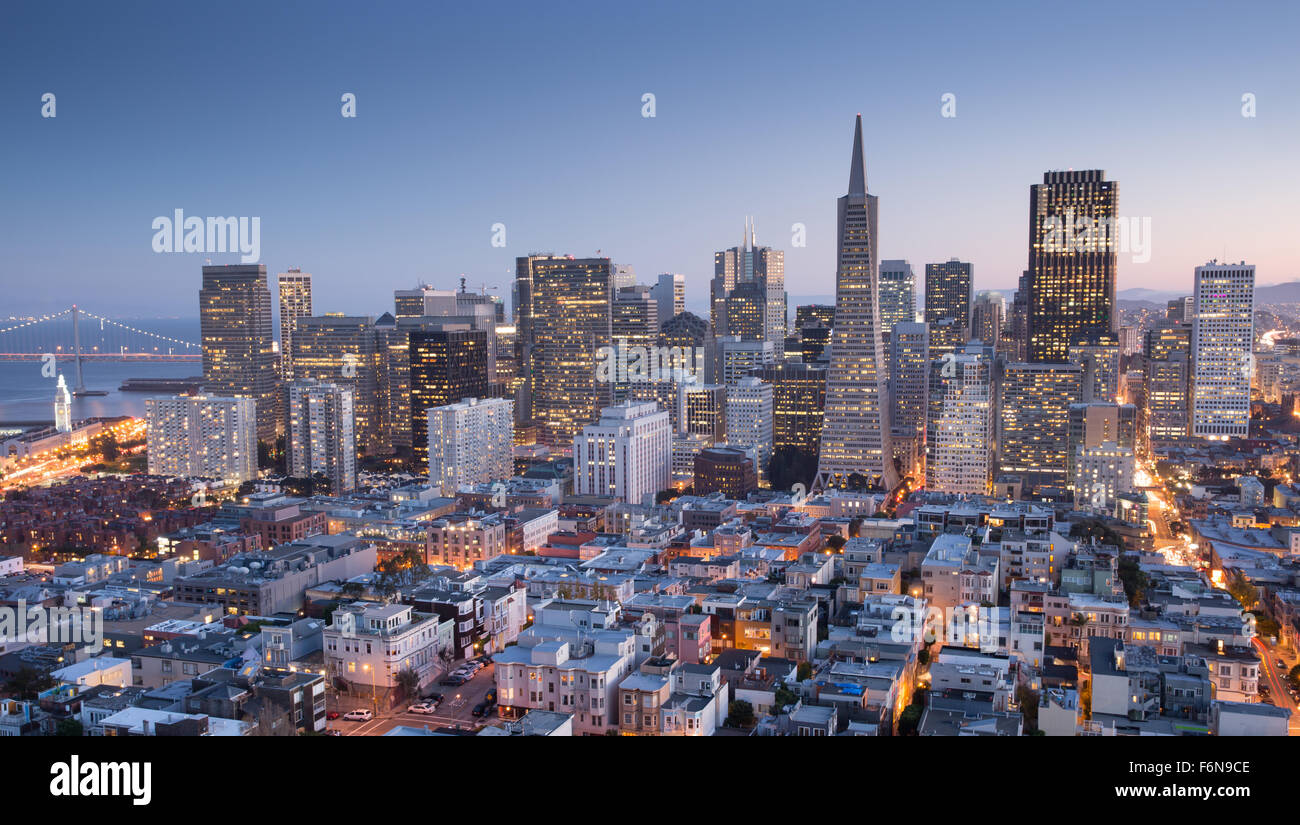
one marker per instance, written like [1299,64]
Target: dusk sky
[530,114]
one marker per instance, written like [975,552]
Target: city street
[456,709]
[1279,695]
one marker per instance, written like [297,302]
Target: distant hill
[1288,293]
[1156,296]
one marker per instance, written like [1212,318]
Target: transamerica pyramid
[855,432]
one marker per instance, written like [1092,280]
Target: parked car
[1281,665]
[454,679]
[332,715]
[482,708]
[422,707]
[359,715]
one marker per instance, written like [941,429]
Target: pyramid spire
[858,169]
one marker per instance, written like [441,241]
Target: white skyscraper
[470,442]
[855,435]
[62,407]
[749,420]
[670,293]
[202,436]
[319,434]
[1223,331]
[959,427]
[627,454]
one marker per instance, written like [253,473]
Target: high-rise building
[423,300]
[1102,473]
[1181,309]
[1223,334]
[448,365]
[627,454]
[909,389]
[318,434]
[565,318]
[470,443]
[798,399]
[670,293]
[811,315]
[343,350]
[1099,356]
[634,322]
[738,358]
[702,410]
[200,436]
[959,427]
[897,295]
[855,436]
[749,420]
[1072,261]
[987,318]
[763,268]
[238,345]
[1094,425]
[294,291]
[948,294]
[1034,423]
[1167,389]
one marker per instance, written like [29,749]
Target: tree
[784,696]
[1241,589]
[836,543]
[805,671]
[28,682]
[69,727]
[1134,579]
[740,714]
[1028,701]
[407,682]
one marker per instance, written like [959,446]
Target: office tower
[665,391]
[685,330]
[481,311]
[909,387]
[448,365]
[986,318]
[1181,309]
[507,373]
[1130,340]
[62,407]
[948,293]
[670,293]
[1168,383]
[1167,338]
[897,295]
[810,315]
[1102,473]
[1099,357]
[423,300]
[702,410]
[1034,423]
[201,436]
[813,344]
[959,424]
[294,291]
[1018,351]
[738,358]
[1096,424]
[685,448]
[238,347]
[798,399]
[624,276]
[1071,261]
[470,442]
[1223,334]
[564,320]
[855,436]
[627,454]
[749,420]
[343,350]
[318,434]
[726,470]
[634,322]
[764,269]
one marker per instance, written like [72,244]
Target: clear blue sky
[530,114]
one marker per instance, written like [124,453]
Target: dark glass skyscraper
[448,365]
[1072,261]
[238,345]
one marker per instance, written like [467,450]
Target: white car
[421,707]
[359,715]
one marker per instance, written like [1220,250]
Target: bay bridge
[76,334]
